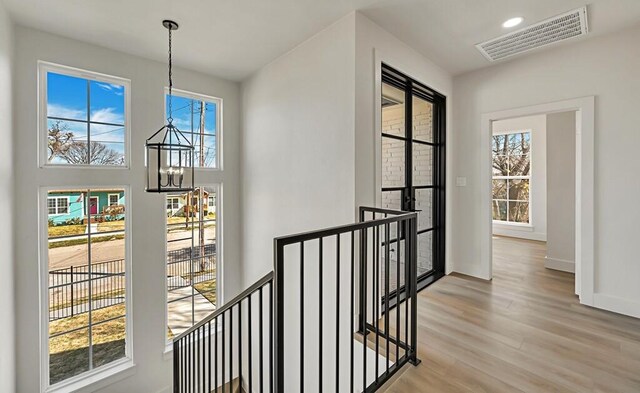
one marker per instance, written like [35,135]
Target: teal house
[75,206]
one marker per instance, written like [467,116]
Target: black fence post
[72,297]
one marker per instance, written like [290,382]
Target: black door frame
[412,88]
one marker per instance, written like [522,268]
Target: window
[173,203]
[57,205]
[83,117]
[114,199]
[86,277]
[511,177]
[192,260]
[198,117]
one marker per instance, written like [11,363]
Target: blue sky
[186,116]
[67,98]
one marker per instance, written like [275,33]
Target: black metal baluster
[320,312]
[398,230]
[387,255]
[363,302]
[376,250]
[197,344]
[224,355]
[352,301]
[215,352]
[408,283]
[337,312]
[209,368]
[249,345]
[260,342]
[272,332]
[240,342]
[414,293]
[176,366]
[301,317]
[230,348]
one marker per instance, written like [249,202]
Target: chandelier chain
[170,118]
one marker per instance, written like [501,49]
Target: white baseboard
[520,233]
[616,304]
[559,264]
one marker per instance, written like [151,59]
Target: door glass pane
[499,189]
[425,253]
[393,121]
[395,264]
[392,200]
[422,165]
[424,205]
[422,120]
[393,162]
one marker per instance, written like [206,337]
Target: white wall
[148,79]
[297,144]
[606,67]
[7,316]
[561,191]
[375,45]
[538,182]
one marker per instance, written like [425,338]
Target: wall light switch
[461,181]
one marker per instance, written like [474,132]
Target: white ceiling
[234,38]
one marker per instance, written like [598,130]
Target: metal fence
[70,288]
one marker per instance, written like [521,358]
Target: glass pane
[393,121]
[422,120]
[396,264]
[422,165]
[65,141]
[108,340]
[392,200]
[500,165]
[519,212]
[519,190]
[499,145]
[424,203]
[393,163]
[519,143]
[189,116]
[68,353]
[66,96]
[499,209]
[107,102]
[499,189]
[519,166]
[425,253]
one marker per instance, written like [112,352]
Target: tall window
[192,258]
[86,117]
[86,272]
[198,117]
[511,177]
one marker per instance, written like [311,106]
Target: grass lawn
[75,242]
[103,295]
[71,230]
[69,353]
[207,289]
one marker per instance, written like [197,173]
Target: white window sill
[96,379]
[513,225]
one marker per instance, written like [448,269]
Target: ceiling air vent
[558,28]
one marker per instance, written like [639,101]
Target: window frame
[43,69]
[507,178]
[109,195]
[99,373]
[219,161]
[56,198]
[218,189]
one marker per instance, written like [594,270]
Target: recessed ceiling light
[512,22]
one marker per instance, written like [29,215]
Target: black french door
[413,166]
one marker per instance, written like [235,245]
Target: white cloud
[107,115]
[117,89]
[56,110]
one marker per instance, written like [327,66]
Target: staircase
[324,319]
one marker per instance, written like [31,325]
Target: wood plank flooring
[524,331]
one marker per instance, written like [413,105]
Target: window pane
[425,253]
[393,121]
[500,189]
[63,141]
[86,280]
[519,212]
[499,145]
[68,354]
[519,166]
[422,119]
[500,165]
[499,210]
[196,119]
[393,162]
[66,96]
[424,205]
[191,258]
[519,143]
[108,338]
[519,190]
[107,102]
[422,165]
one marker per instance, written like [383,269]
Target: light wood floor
[523,331]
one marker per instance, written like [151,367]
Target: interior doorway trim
[585,151]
